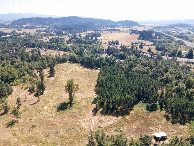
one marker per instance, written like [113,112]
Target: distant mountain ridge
[72,21]
[15,16]
[183,25]
[167,22]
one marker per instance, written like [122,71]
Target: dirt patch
[25,97]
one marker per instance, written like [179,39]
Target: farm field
[42,124]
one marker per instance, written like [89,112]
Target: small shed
[160,136]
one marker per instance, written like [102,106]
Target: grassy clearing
[153,49]
[32,31]
[47,52]
[141,121]
[52,52]
[123,37]
[42,124]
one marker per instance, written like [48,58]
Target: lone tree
[40,88]
[18,102]
[71,88]
[52,70]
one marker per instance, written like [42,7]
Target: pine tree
[52,70]
[40,88]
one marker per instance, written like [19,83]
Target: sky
[137,10]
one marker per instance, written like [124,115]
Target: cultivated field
[42,124]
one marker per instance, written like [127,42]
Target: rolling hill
[15,16]
[166,22]
[73,21]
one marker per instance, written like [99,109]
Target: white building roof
[161,134]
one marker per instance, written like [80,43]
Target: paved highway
[189,44]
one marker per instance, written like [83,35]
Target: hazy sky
[108,9]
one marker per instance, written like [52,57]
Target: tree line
[161,84]
[100,138]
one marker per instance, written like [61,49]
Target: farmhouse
[160,136]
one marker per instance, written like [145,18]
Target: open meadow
[32,31]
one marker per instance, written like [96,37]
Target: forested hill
[72,21]
[15,16]
[182,25]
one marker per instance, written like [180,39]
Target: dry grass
[181,63]
[52,52]
[32,31]
[145,49]
[41,124]
[183,48]
[47,52]
[123,37]
[85,33]
[139,28]
[142,122]
[7,30]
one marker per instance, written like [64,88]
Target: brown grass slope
[41,124]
